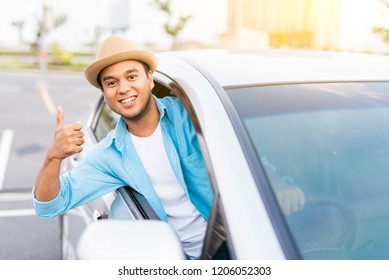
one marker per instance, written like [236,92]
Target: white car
[318,120]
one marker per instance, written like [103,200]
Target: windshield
[332,141]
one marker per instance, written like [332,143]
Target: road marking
[10,197]
[7,197]
[5,148]
[17,212]
[44,92]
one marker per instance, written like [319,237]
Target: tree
[19,24]
[172,29]
[45,25]
[383,31]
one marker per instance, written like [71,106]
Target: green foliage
[175,29]
[59,57]
[164,6]
[383,31]
[172,29]
[42,30]
[18,24]
[60,20]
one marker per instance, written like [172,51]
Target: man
[153,149]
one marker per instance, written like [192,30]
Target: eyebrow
[129,71]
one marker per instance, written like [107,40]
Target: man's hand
[290,199]
[67,139]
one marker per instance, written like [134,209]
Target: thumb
[60,117]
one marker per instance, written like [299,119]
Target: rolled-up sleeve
[91,179]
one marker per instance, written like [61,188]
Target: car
[318,120]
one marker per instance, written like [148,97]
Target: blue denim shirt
[114,163]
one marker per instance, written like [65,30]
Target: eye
[110,83]
[132,77]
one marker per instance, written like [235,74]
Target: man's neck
[145,126]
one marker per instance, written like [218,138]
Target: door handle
[98,216]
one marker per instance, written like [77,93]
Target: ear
[103,93]
[151,79]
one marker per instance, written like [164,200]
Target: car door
[124,203]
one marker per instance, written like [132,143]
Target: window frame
[216,229]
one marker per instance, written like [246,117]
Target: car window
[331,140]
[216,239]
[137,204]
[215,245]
[106,121]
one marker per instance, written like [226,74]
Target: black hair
[146,67]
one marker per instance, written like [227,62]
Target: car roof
[237,68]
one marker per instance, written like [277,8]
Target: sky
[145,22]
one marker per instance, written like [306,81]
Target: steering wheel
[325,226]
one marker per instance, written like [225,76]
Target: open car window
[215,244]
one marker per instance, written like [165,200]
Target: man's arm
[67,142]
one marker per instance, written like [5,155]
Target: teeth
[128,99]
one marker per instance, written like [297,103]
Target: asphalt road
[27,119]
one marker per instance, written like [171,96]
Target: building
[317,24]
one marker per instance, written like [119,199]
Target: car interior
[338,153]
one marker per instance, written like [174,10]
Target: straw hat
[115,49]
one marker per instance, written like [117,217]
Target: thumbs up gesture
[68,139]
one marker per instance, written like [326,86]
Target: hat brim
[93,70]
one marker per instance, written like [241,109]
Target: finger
[79,149]
[297,199]
[72,134]
[78,134]
[294,200]
[282,201]
[60,117]
[79,141]
[301,199]
[287,204]
[76,126]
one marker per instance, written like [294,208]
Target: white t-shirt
[186,220]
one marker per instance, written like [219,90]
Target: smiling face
[127,90]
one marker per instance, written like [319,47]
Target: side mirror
[136,240]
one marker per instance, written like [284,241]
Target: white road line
[24,196]
[17,212]
[5,148]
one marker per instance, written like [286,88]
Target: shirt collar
[121,133]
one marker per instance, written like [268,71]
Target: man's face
[127,89]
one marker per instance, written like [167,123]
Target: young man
[153,149]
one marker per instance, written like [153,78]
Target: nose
[124,86]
